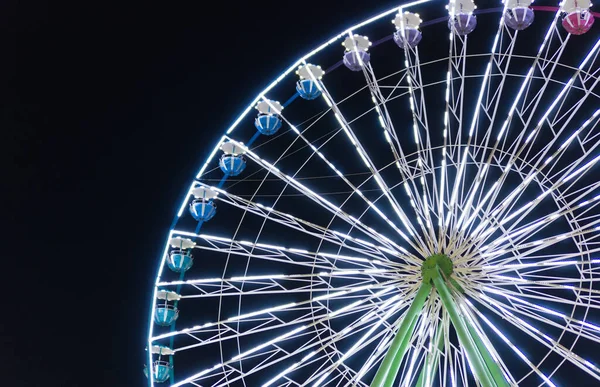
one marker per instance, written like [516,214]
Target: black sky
[108,108]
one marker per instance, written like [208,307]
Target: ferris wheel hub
[431,265]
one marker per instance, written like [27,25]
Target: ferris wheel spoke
[433,368]
[566,175]
[453,116]
[416,355]
[510,345]
[421,124]
[506,245]
[329,206]
[464,368]
[274,283]
[268,315]
[515,241]
[553,345]
[528,143]
[420,208]
[385,121]
[273,344]
[497,254]
[295,256]
[498,64]
[541,263]
[408,226]
[340,239]
[490,94]
[356,190]
[394,305]
[518,251]
[573,325]
[529,293]
[586,297]
[542,56]
[457,373]
[450,363]
[575,208]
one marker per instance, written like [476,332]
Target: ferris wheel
[414,202]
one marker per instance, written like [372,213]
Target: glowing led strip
[272,341]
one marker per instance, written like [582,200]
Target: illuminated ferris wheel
[411,203]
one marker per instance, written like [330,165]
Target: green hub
[431,264]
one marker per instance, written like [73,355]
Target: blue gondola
[161,371]
[267,124]
[165,315]
[203,211]
[307,89]
[179,261]
[307,86]
[232,165]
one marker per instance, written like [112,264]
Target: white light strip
[302,251]
[273,277]
[289,369]
[367,317]
[555,346]
[282,337]
[324,202]
[282,307]
[321,379]
[529,138]
[511,345]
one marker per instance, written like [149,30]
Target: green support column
[436,271]
[475,358]
[492,366]
[432,358]
[398,344]
[400,355]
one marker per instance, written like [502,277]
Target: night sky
[108,110]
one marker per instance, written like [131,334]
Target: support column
[399,344]
[475,357]
[432,359]
[400,355]
[492,366]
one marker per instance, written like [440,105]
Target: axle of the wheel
[436,273]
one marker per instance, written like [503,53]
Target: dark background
[108,109]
